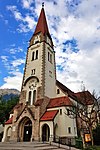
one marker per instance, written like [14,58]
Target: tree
[96,135]
[6,107]
[86,110]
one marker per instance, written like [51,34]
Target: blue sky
[75,28]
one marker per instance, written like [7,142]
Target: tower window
[36,55]
[68,112]
[58,91]
[69,129]
[32,71]
[49,57]
[29,97]
[74,130]
[50,74]
[60,111]
[33,54]
[34,96]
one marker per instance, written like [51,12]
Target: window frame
[33,55]
[36,55]
[58,91]
[69,130]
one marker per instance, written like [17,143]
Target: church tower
[39,79]
[40,113]
[38,86]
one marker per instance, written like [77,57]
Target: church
[42,113]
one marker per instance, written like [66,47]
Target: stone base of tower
[25,124]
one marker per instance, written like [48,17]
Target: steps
[28,146]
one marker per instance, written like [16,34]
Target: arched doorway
[25,129]
[45,132]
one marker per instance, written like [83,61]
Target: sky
[74,26]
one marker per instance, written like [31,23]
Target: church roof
[42,24]
[59,101]
[9,121]
[66,90]
[49,115]
[85,97]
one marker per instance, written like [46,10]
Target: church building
[42,113]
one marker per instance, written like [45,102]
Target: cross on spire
[43,5]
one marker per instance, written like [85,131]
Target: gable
[66,90]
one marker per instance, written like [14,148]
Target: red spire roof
[42,24]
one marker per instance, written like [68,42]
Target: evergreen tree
[6,107]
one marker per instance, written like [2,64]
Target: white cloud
[27,3]
[81,67]
[15,11]
[17,62]
[4,58]
[27,22]
[80,22]
[81,25]
[15,50]
[13,81]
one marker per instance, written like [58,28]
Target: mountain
[9,93]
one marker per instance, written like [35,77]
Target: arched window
[36,54]
[34,96]
[29,97]
[33,56]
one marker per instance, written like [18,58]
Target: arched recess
[45,132]
[31,77]
[8,133]
[25,129]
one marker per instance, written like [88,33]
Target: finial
[43,5]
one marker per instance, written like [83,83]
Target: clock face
[32,84]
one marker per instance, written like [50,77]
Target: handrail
[58,139]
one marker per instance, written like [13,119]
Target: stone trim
[43,69]
[25,69]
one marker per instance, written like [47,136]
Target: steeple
[42,29]
[42,24]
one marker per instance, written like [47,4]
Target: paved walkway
[32,146]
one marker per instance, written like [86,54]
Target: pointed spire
[42,23]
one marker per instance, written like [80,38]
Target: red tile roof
[59,101]
[9,121]
[49,115]
[85,97]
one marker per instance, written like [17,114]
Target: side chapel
[42,112]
